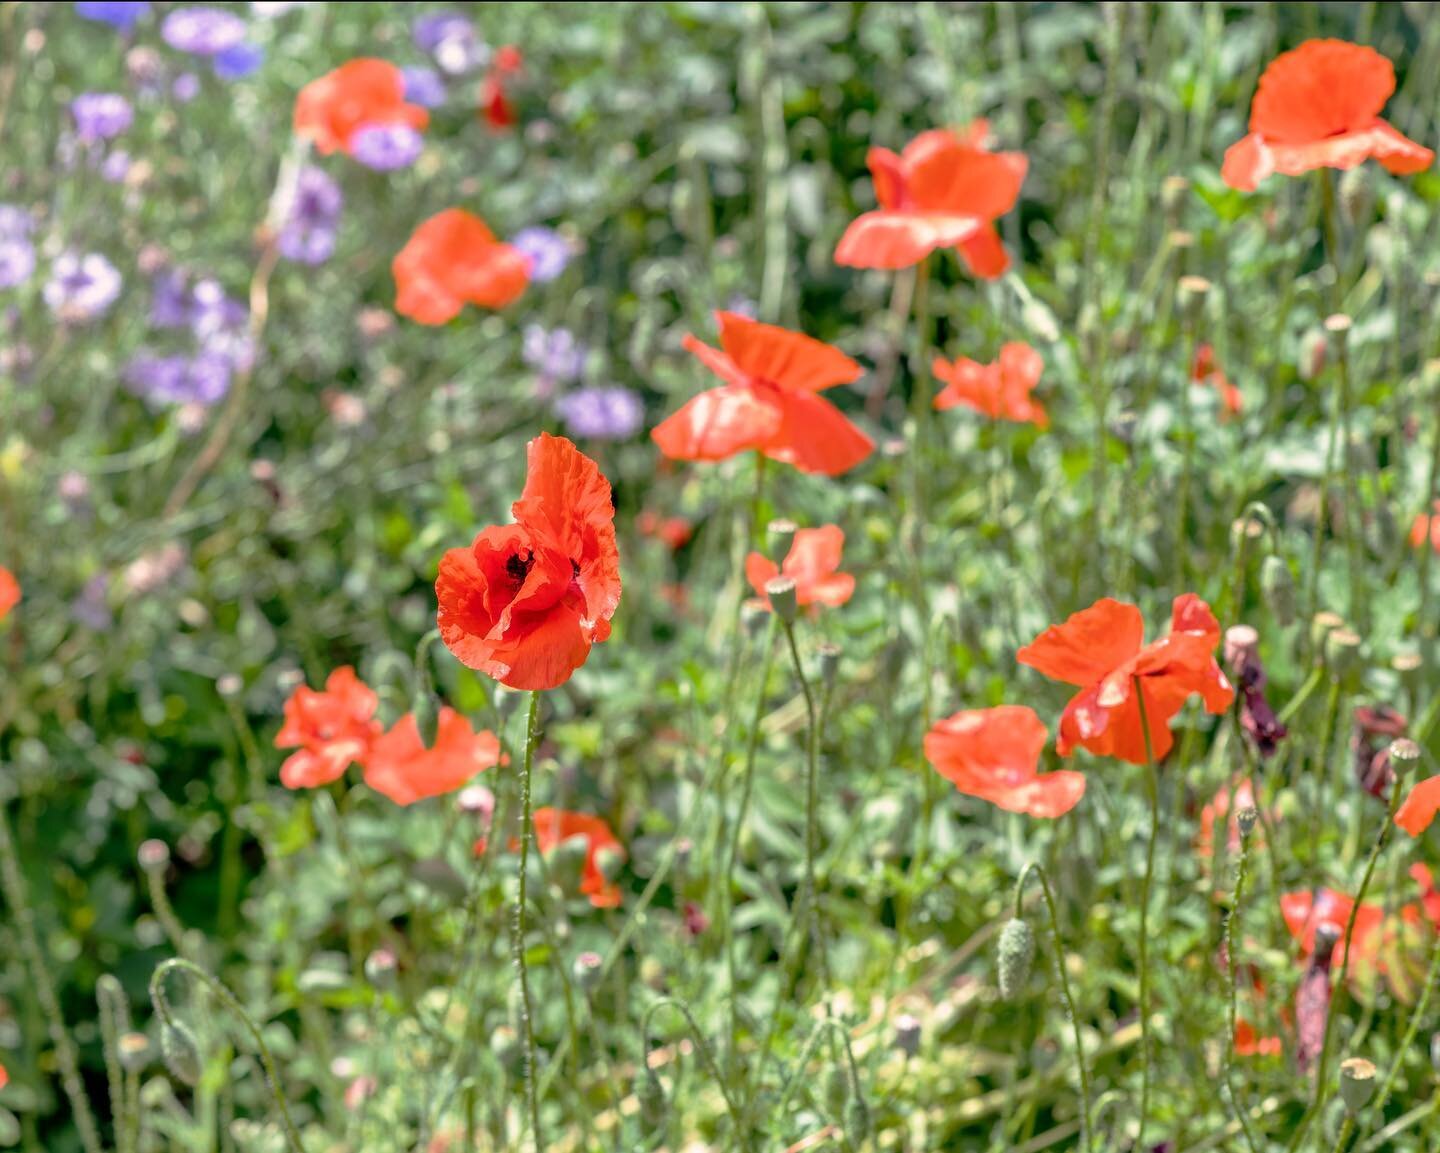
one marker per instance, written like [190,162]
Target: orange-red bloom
[1000,390]
[1318,106]
[331,729]
[9,592]
[946,190]
[1419,808]
[400,767]
[1250,1043]
[1427,527]
[768,401]
[553,826]
[453,259]
[1101,651]
[525,601]
[362,93]
[993,754]
[1206,371]
[812,563]
[495,102]
[675,531]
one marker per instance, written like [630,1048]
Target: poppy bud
[586,970]
[907,1034]
[653,1106]
[857,1122]
[781,592]
[1192,293]
[779,535]
[380,968]
[1312,354]
[1321,626]
[753,616]
[1016,954]
[837,1092]
[181,1053]
[1245,819]
[154,855]
[1337,329]
[134,1051]
[1173,190]
[829,663]
[1342,652]
[1404,756]
[1278,587]
[1355,196]
[426,710]
[1408,665]
[1357,1083]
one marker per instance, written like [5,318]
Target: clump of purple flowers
[117,13]
[17,254]
[308,234]
[386,147]
[549,252]
[555,355]
[219,325]
[100,116]
[238,62]
[423,86]
[451,40]
[202,31]
[81,287]
[601,413]
[165,380]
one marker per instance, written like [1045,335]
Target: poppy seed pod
[567,862]
[1173,190]
[134,1049]
[1357,1083]
[1016,954]
[1192,293]
[1278,587]
[1404,756]
[829,663]
[907,1034]
[181,1053]
[782,594]
[1245,820]
[779,536]
[1322,624]
[586,970]
[1342,652]
[1408,665]
[1337,330]
[608,862]
[753,616]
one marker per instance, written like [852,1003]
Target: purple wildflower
[423,86]
[17,260]
[611,413]
[549,252]
[185,87]
[15,222]
[308,235]
[115,167]
[202,31]
[169,300]
[386,147]
[81,288]
[555,355]
[450,38]
[92,607]
[117,14]
[100,116]
[221,325]
[239,62]
[167,380]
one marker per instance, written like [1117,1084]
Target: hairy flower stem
[1187,465]
[1086,1113]
[742,1135]
[810,922]
[1231,967]
[1425,621]
[1152,791]
[517,924]
[221,992]
[13,884]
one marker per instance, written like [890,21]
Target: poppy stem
[517,928]
[1059,960]
[810,923]
[1231,968]
[1152,791]
[1424,622]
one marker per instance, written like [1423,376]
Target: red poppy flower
[552,826]
[1250,1043]
[356,95]
[9,592]
[945,190]
[1429,897]
[1305,912]
[400,767]
[453,259]
[1206,371]
[1318,106]
[812,563]
[768,401]
[1418,809]
[525,601]
[4,1077]
[331,729]
[1000,390]
[675,531]
[495,102]
[993,754]
[1427,526]
[1100,650]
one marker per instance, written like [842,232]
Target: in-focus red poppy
[1318,106]
[812,563]
[1427,527]
[993,754]
[330,728]
[400,767]
[1205,371]
[1101,651]
[361,94]
[1000,390]
[554,826]
[945,190]
[452,260]
[525,601]
[769,401]
[9,592]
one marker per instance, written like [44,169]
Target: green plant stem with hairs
[1231,967]
[810,921]
[1086,1114]
[1152,792]
[517,925]
[706,1056]
[221,992]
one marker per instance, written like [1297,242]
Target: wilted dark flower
[1257,718]
[423,86]
[81,287]
[117,14]
[308,235]
[612,413]
[167,380]
[1374,728]
[549,252]
[202,31]
[100,116]
[240,61]
[1312,998]
[386,147]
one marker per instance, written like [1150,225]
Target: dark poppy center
[518,567]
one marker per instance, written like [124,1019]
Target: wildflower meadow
[758,577]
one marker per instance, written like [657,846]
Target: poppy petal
[815,436]
[778,356]
[717,362]
[1088,645]
[814,553]
[719,423]
[1379,141]
[9,592]
[1247,162]
[888,174]
[759,571]
[984,254]
[1419,808]
[966,181]
[1322,88]
[884,239]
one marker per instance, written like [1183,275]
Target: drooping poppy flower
[400,767]
[9,592]
[769,401]
[1000,390]
[525,601]
[554,826]
[365,93]
[453,259]
[1427,528]
[1257,718]
[1318,106]
[495,102]
[1101,651]
[330,728]
[1206,372]
[993,754]
[1374,728]
[945,190]
[812,563]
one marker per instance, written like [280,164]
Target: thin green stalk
[1424,620]
[708,1057]
[1152,790]
[1230,995]
[1187,458]
[517,927]
[1346,1130]
[1085,1110]
[811,921]
[114,1021]
[1416,1018]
